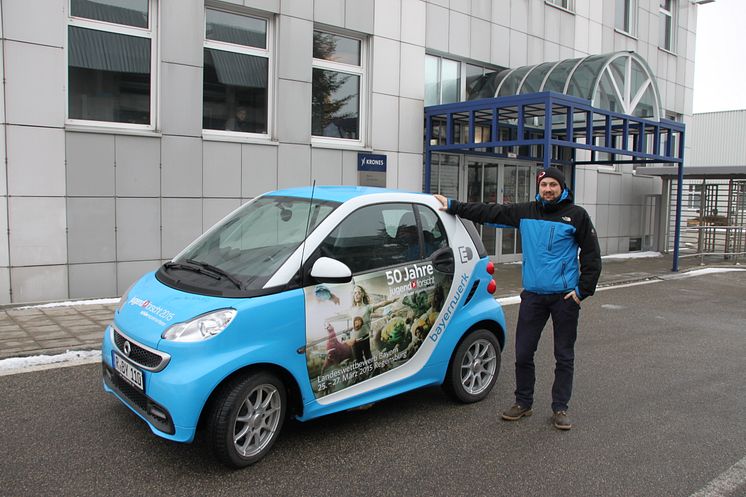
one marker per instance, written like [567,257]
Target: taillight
[491,267]
[491,286]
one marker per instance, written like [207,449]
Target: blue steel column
[548,110]
[428,152]
[677,231]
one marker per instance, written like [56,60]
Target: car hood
[150,308]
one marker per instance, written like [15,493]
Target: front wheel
[474,367]
[245,418]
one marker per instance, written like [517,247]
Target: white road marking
[727,484]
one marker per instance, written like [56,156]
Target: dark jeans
[533,315]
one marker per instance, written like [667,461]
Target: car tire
[245,418]
[474,367]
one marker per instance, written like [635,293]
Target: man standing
[552,228]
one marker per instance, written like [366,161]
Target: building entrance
[498,182]
[484,179]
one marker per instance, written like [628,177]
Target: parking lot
[658,407]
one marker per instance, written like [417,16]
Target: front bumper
[152,412]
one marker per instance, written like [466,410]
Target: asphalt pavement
[658,405]
[27,330]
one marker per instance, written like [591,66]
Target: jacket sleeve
[479,212]
[590,258]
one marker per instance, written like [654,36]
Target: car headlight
[200,328]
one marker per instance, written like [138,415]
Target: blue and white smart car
[305,302]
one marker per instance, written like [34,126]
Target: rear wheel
[474,367]
[245,418]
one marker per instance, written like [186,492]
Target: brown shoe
[516,412]
[561,420]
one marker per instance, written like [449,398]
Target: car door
[375,323]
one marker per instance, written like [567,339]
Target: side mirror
[327,270]
[443,260]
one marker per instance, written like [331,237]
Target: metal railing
[726,241]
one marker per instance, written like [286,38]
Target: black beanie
[551,172]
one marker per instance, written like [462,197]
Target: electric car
[304,302]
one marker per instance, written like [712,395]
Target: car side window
[433,233]
[375,236]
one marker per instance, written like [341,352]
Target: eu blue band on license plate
[128,372]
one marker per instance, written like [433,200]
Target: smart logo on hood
[151,311]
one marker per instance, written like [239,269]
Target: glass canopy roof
[620,82]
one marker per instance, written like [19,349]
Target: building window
[565,4]
[626,16]
[337,88]
[694,196]
[110,62]
[448,81]
[235,84]
[666,31]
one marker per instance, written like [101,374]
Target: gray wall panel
[4,254]
[388,18]
[25,24]
[138,228]
[181,166]
[386,56]
[294,166]
[222,169]
[385,122]
[37,230]
[265,5]
[138,161]
[182,223]
[92,280]
[4,285]
[359,15]
[295,48]
[90,230]
[326,166]
[34,91]
[180,19]
[181,102]
[39,283]
[258,169]
[129,272]
[90,164]
[28,162]
[330,12]
[293,112]
[297,8]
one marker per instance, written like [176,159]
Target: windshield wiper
[203,268]
[217,270]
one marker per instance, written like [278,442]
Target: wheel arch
[489,325]
[294,397]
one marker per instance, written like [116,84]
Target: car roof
[333,193]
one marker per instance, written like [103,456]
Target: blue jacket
[551,236]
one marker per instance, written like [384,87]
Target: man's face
[549,189]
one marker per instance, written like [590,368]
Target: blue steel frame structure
[516,126]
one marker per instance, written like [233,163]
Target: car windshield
[251,244]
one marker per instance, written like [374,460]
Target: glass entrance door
[481,186]
[490,181]
[516,186]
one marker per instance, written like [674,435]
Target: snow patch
[633,255]
[708,270]
[509,300]
[613,307]
[72,302]
[15,365]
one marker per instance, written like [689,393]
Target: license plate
[128,372]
